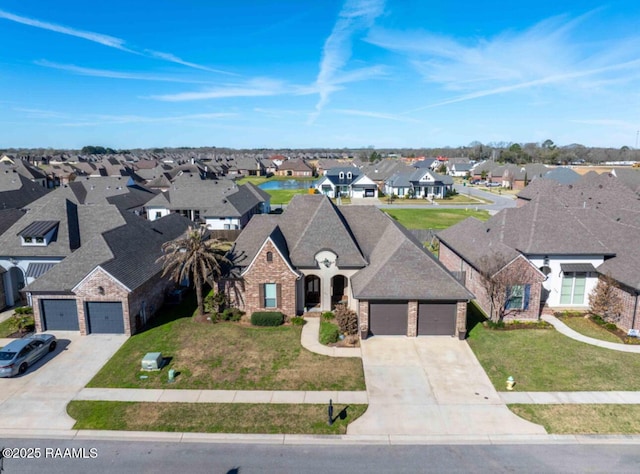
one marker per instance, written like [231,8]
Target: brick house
[572,233]
[295,168]
[316,255]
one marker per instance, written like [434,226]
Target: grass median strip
[588,328]
[211,417]
[582,419]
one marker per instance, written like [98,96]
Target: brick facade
[630,316]
[475,282]
[363,318]
[275,271]
[412,324]
[461,319]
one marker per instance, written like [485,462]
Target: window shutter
[278,294]
[261,294]
[527,292]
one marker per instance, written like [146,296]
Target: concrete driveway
[38,399]
[431,385]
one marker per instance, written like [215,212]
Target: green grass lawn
[463,199]
[284,196]
[211,417]
[588,328]
[263,179]
[545,360]
[11,325]
[582,419]
[433,218]
[229,356]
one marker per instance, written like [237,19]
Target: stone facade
[274,271]
[363,318]
[461,319]
[476,283]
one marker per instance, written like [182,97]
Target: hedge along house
[316,255]
[112,283]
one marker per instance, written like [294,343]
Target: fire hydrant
[510,383]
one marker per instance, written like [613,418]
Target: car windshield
[7,355]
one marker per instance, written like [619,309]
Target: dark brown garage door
[436,319]
[388,318]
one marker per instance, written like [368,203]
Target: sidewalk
[562,328]
[578,398]
[309,341]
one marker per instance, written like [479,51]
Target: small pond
[288,184]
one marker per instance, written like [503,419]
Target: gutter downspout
[635,312]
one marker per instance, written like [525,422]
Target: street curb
[296,439]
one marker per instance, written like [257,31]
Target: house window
[196,215]
[341,175]
[158,215]
[573,288]
[349,175]
[518,297]
[270,295]
[269,256]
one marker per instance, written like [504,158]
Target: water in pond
[288,184]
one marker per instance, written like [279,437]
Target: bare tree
[503,284]
[604,300]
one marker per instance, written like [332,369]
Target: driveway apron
[38,399]
[431,385]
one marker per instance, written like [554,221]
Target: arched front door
[339,292]
[311,291]
[16,279]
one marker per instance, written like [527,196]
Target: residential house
[219,204]
[347,182]
[316,255]
[112,282]
[294,168]
[17,191]
[459,170]
[420,183]
[24,168]
[246,166]
[381,171]
[572,234]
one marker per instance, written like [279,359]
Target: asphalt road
[148,457]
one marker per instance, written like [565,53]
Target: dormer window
[39,233]
[349,175]
[341,175]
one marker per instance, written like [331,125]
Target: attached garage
[60,315]
[105,318]
[436,319]
[388,318]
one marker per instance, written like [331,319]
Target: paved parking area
[431,385]
[38,399]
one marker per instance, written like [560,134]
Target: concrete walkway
[578,398]
[221,396]
[562,328]
[309,340]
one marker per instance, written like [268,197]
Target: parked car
[18,355]
[493,185]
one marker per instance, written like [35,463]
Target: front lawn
[545,360]
[433,218]
[582,419]
[211,417]
[284,196]
[226,356]
[587,327]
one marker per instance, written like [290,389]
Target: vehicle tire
[23,368]
[52,346]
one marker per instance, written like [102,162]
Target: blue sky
[298,74]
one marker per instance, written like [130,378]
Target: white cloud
[355,16]
[83,71]
[379,115]
[105,40]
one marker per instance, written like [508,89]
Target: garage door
[436,319]
[105,318]
[388,318]
[60,315]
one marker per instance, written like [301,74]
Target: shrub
[215,302]
[328,316]
[329,333]
[297,321]
[23,310]
[610,326]
[231,314]
[347,320]
[267,318]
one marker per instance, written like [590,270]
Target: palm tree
[196,257]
